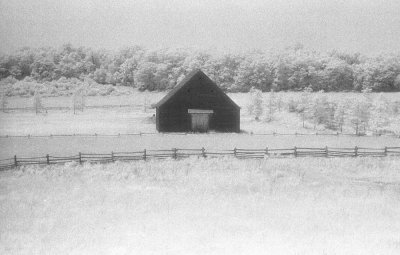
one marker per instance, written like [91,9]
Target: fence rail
[70,108]
[183,133]
[176,153]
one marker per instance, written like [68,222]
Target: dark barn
[197,104]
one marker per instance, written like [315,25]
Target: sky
[366,26]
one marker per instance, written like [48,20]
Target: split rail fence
[185,133]
[176,153]
[70,108]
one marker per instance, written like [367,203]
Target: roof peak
[185,81]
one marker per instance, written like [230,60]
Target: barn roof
[186,81]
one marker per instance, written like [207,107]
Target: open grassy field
[203,206]
[68,146]
[139,116]
[137,119]
[124,120]
[190,206]
[138,98]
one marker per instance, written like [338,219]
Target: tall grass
[203,206]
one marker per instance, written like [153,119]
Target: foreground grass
[203,206]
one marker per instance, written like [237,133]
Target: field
[190,206]
[136,115]
[68,146]
[196,206]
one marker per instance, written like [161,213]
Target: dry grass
[197,206]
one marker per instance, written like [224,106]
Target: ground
[68,146]
[203,206]
[138,117]
[190,206]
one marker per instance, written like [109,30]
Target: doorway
[200,120]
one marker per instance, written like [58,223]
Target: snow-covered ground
[204,206]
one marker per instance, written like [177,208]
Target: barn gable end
[197,92]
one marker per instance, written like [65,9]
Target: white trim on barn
[200,111]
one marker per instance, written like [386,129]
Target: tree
[380,112]
[295,68]
[321,111]
[272,105]
[304,107]
[378,74]
[397,83]
[359,114]
[255,106]
[3,102]
[146,76]
[253,71]
[223,69]
[78,100]
[278,101]
[43,69]
[37,102]
[127,70]
[340,114]
[283,71]
[100,75]
[337,76]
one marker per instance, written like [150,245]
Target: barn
[197,104]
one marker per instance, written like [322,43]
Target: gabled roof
[186,81]
[177,87]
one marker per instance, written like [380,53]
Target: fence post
[326,151]
[295,151]
[15,161]
[112,156]
[385,151]
[266,152]
[234,152]
[175,150]
[80,158]
[144,154]
[356,151]
[203,152]
[48,159]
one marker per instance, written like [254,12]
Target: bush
[292,105]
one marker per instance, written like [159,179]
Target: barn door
[200,120]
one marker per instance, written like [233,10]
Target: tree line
[293,69]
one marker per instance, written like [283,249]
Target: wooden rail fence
[176,153]
[70,108]
[183,133]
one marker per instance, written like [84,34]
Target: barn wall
[173,120]
[200,93]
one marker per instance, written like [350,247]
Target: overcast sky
[367,26]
